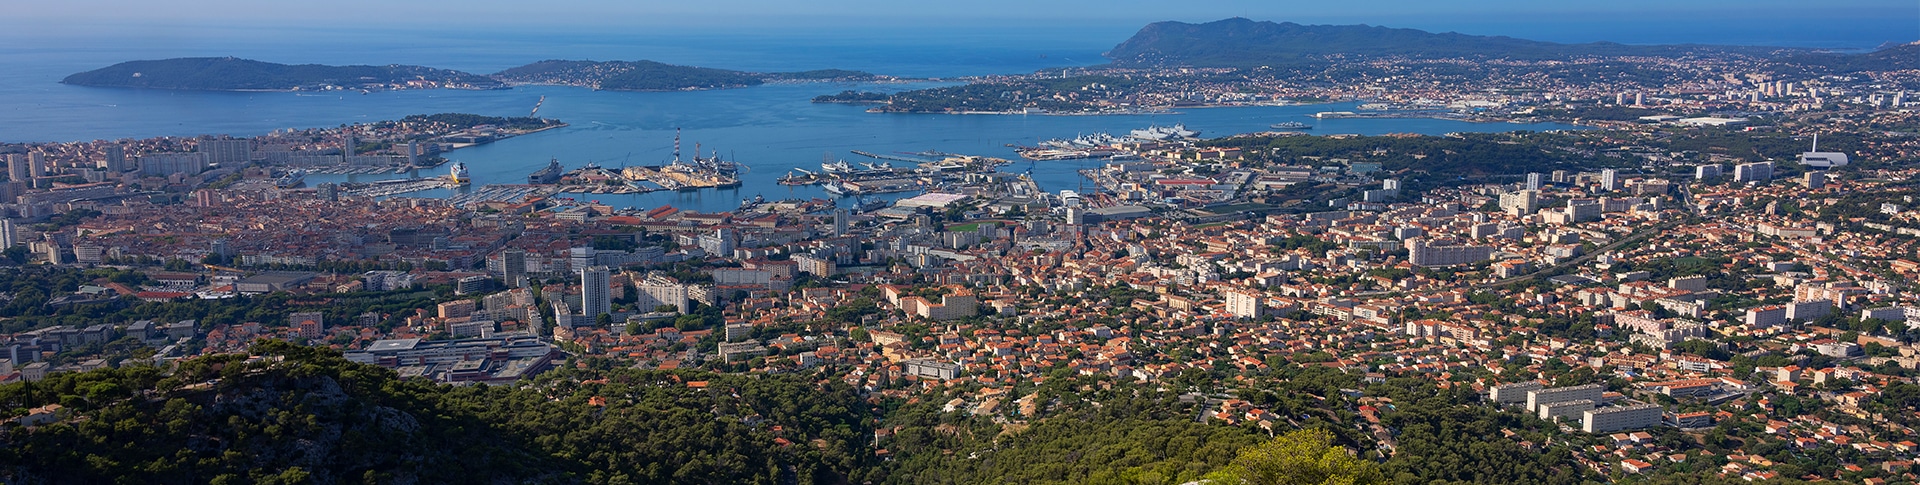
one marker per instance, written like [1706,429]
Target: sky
[1631,21]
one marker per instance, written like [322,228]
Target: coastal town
[1712,277]
[1718,301]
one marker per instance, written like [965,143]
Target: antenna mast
[676,145]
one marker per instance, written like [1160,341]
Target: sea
[772,129]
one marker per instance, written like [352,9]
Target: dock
[897,158]
[397,187]
[359,170]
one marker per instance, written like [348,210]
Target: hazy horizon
[1837,24]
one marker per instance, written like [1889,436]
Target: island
[647,75]
[236,74]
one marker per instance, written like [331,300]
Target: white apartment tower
[596,294]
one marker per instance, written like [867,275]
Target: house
[42,415]
[1635,466]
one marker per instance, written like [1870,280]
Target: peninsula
[236,74]
[646,75]
[1234,62]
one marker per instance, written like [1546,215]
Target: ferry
[458,176]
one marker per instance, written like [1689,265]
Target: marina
[500,193]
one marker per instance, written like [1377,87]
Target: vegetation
[283,413]
[234,74]
[852,97]
[1301,457]
[656,76]
[306,415]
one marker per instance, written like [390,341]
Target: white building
[1621,418]
[1703,172]
[1818,159]
[1243,303]
[1422,253]
[1565,409]
[1753,172]
[596,293]
[1766,316]
[1589,392]
[1513,393]
[1520,203]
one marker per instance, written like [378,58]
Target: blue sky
[1634,21]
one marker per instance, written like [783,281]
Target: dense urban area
[1711,283]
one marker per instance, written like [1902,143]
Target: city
[1710,280]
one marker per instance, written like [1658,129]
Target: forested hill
[1239,42]
[235,74]
[655,76]
[283,413]
[306,415]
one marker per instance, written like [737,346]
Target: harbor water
[772,129]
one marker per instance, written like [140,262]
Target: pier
[396,187]
[897,158]
[359,170]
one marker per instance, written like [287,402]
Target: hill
[655,76]
[1239,42]
[235,74]
[1900,57]
[291,414]
[283,413]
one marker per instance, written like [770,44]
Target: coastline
[457,146]
[716,88]
[1093,113]
[503,86]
